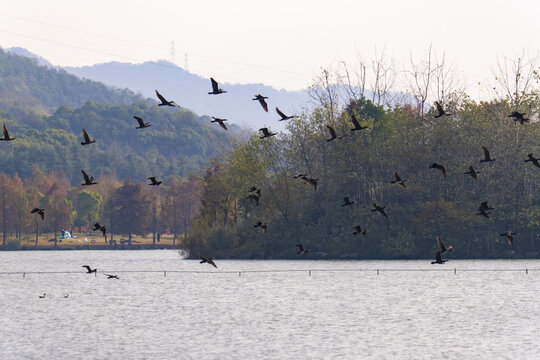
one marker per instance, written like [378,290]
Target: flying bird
[255,197]
[87,180]
[6,134]
[472,172]
[301,249]
[219,121]
[283,116]
[96,226]
[442,248]
[142,124]
[398,180]
[215,88]
[532,159]
[103,229]
[153,181]
[440,110]
[262,225]
[438,167]
[509,237]
[207,260]
[438,259]
[110,276]
[87,140]
[40,212]
[519,117]
[263,103]
[164,101]
[266,133]
[42,296]
[356,124]
[379,209]
[358,230]
[89,270]
[483,213]
[332,132]
[484,206]
[487,157]
[299,175]
[347,202]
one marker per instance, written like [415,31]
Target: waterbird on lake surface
[398,180]
[356,124]
[532,159]
[332,132]
[87,180]
[472,172]
[379,209]
[438,167]
[283,116]
[358,230]
[215,88]
[347,202]
[66,296]
[87,140]
[442,248]
[219,121]
[438,259]
[509,237]
[164,101]
[40,212]
[207,260]
[263,103]
[6,134]
[110,276]
[266,133]
[440,110]
[301,249]
[153,181]
[262,225]
[42,296]
[487,157]
[142,124]
[89,270]
[519,117]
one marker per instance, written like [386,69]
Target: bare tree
[384,79]
[449,89]
[420,78]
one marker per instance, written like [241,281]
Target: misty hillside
[191,91]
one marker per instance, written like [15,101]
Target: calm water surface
[267,315]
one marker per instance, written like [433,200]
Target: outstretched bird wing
[160,97]
[4,129]
[439,108]
[486,153]
[263,104]
[215,87]
[354,121]
[331,131]
[139,120]
[85,136]
[85,176]
[440,245]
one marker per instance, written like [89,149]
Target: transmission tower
[173,53]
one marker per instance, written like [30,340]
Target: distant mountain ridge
[191,91]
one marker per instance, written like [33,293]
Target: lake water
[346,314]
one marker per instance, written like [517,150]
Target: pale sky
[279,43]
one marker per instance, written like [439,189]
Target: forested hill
[26,85]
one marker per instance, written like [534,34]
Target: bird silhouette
[283,116]
[164,101]
[40,212]
[266,133]
[532,159]
[96,226]
[442,248]
[142,124]
[42,296]
[484,206]
[89,270]
[207,260]
[358,230]
[66,296]
[483,213]
[87,140]
[332,132]
[263,103]
[438,259]
[103,229]
[472,172]
[356,124]
[262,225]
[219,121]
[252,189]
[347,202]
[153,181]
[87,180]
[301,249]
[438,167]
[398,180]
[379,209]
[440,110]
[110,276]
[215,88]
[509,237]
[255,197]
[487,157]
[6,134]
[519,117]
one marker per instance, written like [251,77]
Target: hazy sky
[280,43]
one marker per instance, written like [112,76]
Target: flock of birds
[255,193]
